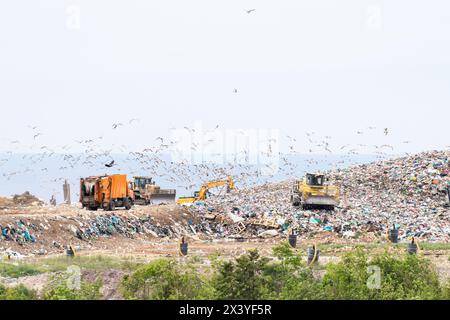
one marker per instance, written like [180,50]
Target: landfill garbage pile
[409,194]
[53,228]
[111,224]
[18,232]
[24,199]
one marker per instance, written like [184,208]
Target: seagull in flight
[109,165]
[250,11]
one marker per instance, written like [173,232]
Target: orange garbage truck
[106,192]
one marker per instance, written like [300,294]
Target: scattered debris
[410,192]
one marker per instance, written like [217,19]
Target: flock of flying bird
[155,160]
[184,174]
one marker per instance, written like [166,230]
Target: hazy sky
[330,66]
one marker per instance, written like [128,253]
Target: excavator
[202,193]
[314,192]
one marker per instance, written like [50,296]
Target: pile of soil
[25,199]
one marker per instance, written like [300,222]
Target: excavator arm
[214,184]
[206,187]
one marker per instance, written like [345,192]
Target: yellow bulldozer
[314,192]
[146,192]
[204,190]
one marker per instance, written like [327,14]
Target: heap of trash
[41,233]
[21,200]
[408,193]
[18,232]
[129,226]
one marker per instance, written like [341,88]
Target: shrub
[19,292]
[407,277]
[243,278]
[290,277]
[446,295]
[57,289]
[404,277]
[17,270]
[165,279]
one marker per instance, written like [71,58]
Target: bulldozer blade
[320,201]
[162,198]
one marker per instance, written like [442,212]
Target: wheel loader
[313,192]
